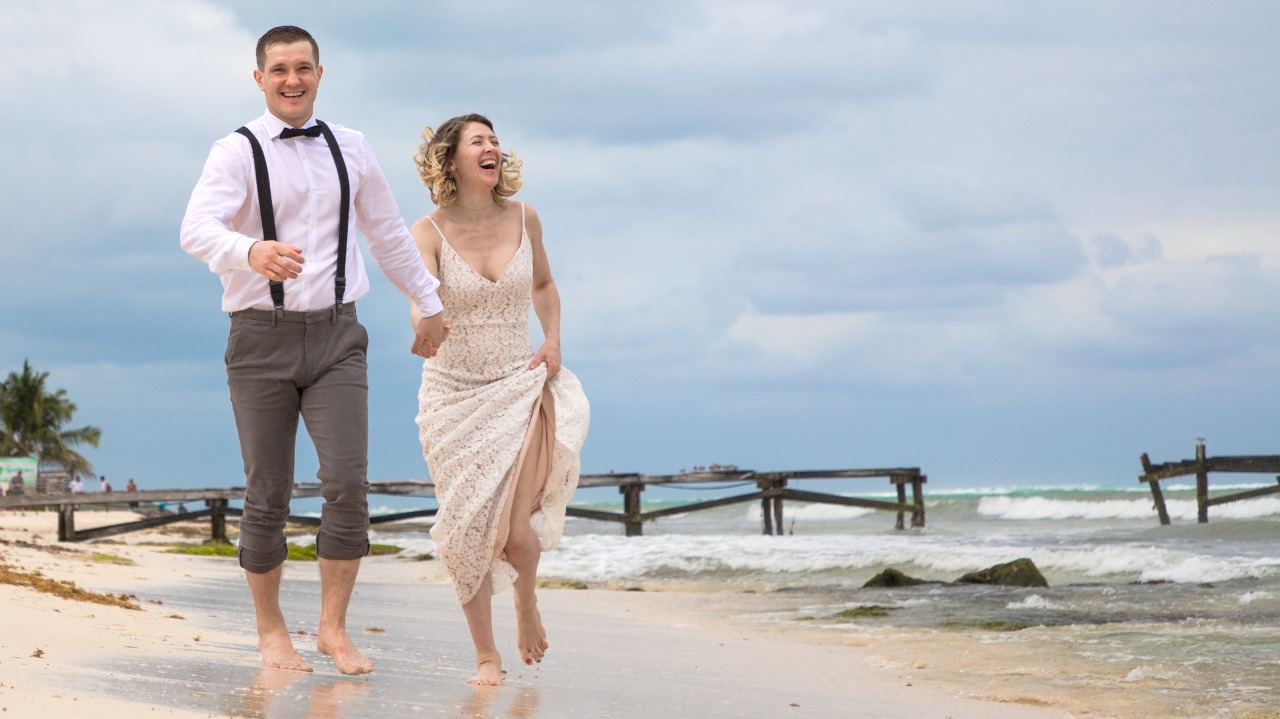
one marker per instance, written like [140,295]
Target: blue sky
[1009,243]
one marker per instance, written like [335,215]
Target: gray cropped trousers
[310,365]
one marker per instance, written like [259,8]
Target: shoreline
[614,653]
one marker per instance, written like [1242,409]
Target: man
[295,346]
[76,485]
[17,485]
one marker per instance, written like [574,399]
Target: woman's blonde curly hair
[438,148]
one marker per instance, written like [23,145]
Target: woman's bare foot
[278,652]
[338,645]
[531,638]
[488,671]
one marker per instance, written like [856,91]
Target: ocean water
[1179,620]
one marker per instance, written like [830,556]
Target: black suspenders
[269,216]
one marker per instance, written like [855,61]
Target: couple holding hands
[501,423]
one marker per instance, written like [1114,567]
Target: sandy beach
[185,647]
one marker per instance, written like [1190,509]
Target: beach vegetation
[562,584]
[870,610]
[66,590]
[103,558]
[213,549]
[990,625]
[32,421]
[297,552]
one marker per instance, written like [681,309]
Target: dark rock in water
[1018,573]
[893,578]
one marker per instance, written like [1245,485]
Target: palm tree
[31,421]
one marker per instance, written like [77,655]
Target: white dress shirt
[223,220]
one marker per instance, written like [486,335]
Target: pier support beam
[1202,484]
[632,521]
[218,520]
[917,496]
[66,522]
[1157,495]
[771,505]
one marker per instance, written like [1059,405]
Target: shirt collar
[274,125]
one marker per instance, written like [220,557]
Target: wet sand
[188,650]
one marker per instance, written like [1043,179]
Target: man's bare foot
[531,638]
[488,671]
[278,652]
[338,645]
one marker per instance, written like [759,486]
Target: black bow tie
[288,132]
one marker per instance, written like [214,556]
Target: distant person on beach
[76,485]
[501,424]
[132,487]
[106,486]
[272,215]
[17,485]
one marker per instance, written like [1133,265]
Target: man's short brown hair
[284,35]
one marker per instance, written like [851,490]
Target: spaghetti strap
[522,231]
[438,230]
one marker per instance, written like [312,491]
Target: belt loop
[273,319]
[333,315]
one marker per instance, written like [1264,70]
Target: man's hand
[429,334]
[275,260]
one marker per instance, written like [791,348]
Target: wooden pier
[1201,466]
[771,491]
[215,507]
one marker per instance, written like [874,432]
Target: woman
[501,425]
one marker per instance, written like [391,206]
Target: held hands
[428,334]
[275,260]
[548,354]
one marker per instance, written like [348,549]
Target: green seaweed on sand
[297,553]
[212,549]
[869,610]
[562,584]
[109,559]
[991,625]
[64,589]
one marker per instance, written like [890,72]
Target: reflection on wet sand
[272,695]
[283,694]
[479,705]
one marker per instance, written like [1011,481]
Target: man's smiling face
[289,78]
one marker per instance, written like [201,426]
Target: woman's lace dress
[476,403]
